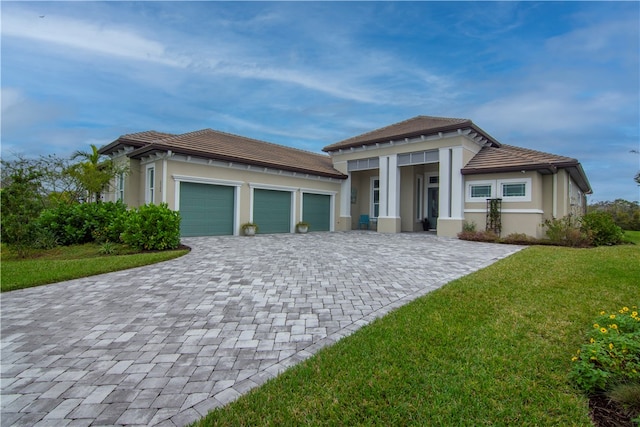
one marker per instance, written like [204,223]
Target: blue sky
[557,77]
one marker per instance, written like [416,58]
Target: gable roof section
[222,146]
[508,158]
[411,128]
[135,140]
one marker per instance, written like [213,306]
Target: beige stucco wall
[246,177]
[517,217]
[399,148]
[361,183]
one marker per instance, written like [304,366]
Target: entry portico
[408,173]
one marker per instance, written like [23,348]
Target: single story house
[423,173]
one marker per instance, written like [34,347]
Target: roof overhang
[468,128]
[155,148]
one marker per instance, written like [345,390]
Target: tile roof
[508,157]
[416,126]
[135,140]
[148,136]
[224,146]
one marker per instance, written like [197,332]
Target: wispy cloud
[88,36]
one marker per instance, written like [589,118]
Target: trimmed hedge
[149,227]
[84,222]
[152,227]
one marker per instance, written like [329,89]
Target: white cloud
[88,36]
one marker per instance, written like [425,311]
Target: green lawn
[632,236]
[71,262]
[492,348]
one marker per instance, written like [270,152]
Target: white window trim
[470,184]
[120,184]
[496,190]
[527,189]
[371,205]
[149,186]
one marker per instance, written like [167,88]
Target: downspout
[555,195]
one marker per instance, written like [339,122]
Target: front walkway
[165,344]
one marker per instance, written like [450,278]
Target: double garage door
[209,210]
[272,211]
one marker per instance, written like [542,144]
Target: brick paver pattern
[164,344]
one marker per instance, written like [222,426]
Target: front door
[432,207]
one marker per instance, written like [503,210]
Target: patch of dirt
[606,413]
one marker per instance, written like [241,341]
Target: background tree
[22,199]
[625,214]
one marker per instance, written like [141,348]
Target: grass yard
[71,262]
[632,236]
[492,348]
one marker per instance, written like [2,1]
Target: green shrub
[612,356]
[85,222]
[602,228]
[567,231]
[479,236]
[152,227]
[518,239]
[469,227]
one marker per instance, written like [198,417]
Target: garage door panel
[316,210]
[206,210]
[272,211]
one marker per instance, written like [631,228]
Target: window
[509,190]
[514,190]
[483,190]
[150,184]
[120,187]
[375,197]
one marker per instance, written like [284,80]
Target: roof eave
[543,168]
[433,131]
[156,148]
[580,177]
[121,143]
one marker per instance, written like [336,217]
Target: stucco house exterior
[423,173]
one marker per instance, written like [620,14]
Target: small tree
[93,174]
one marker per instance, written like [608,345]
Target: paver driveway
[164,344]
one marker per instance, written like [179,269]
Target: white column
[384,186]
[393,200]
[345,197]
[457,187]
[445,183]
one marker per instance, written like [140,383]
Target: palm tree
[92,174]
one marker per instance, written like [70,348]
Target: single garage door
[316,211]
[206,210]
[272,210]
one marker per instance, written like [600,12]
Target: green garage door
[316,211]
[206,210]
[272,211]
